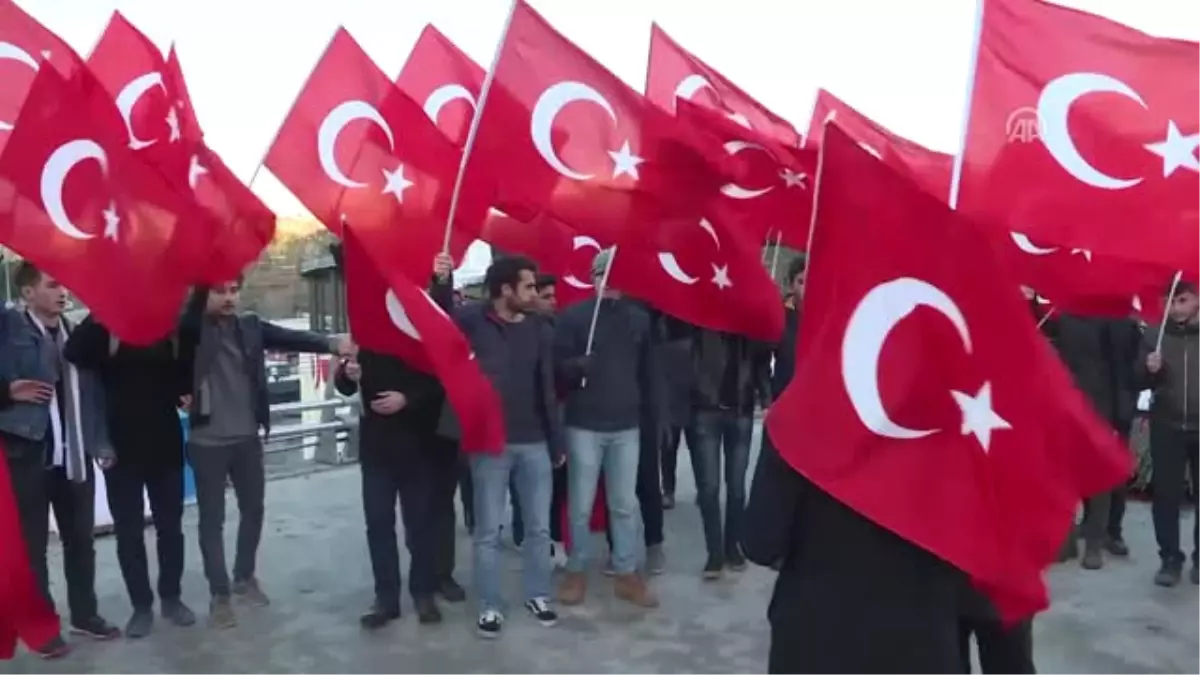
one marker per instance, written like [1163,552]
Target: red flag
[772,191]
[553,245]
[930,404]
[674,72]
[560,133]
[710,275]
[24,45]
[24,612]
[445,81]
[1083,132]
[392,315]
[929,169]
[354,147]
[77,202]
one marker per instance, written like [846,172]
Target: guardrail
[330,433]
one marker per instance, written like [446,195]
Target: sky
[903,63]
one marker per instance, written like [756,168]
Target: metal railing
[331,438]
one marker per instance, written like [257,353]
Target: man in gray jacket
[228,409]
[51,435]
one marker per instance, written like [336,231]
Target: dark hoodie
[1176,386]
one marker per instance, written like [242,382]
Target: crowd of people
[598,392]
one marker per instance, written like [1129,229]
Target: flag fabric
[24,612]
[76,201]
[1083,132]
[391,314]
[553,245]
[675,73]
[930,404]
[445,81]
[25,45]
[559,133]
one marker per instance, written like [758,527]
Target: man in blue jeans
[606,385]
[732,376]
[514,348]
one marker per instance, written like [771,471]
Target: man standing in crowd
[1167,366]
[514,348]
[1100,353]
[229,408]
[606,386]
[785,351]
[51,435]
[400,456]
[672,354]
[143,387]
[732,377]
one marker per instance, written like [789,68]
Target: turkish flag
[1083,133]
[674,72]
[355,148]
[929,169]
[390,314]
[560,133]
[24,612]
[445,81]
[24,45]
[772,191]
[553,245]
[709,274]
[928,402]
[76,201]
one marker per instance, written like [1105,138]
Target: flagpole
[956,173]
[1045,318]
[775,254]
[591,338]
[1162,324]
[473,130]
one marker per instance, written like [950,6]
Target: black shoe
[735,561]
[489,625]
[1117,546]
[176,612]
[540,609]
[378,617]
[1169,574]
[712,568]
[1093,556]
[96,628]
[427,609]
[668,502]
[451,591]
[140,624]
[56,648]
[1194,575]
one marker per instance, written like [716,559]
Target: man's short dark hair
[27,275]
[545,280]
[506,271]
[1180,288]
[797,267]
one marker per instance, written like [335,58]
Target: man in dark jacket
[1100,352]
[732,377]
[515,350]
[1166,365]
[673,356]
[785,350]
[607,378]
[143,388]
[400,456]
[229,408]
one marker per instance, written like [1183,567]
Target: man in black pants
[142,387]
[52,434]
[399,457]
[224,350]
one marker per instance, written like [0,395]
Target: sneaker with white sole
[540,609]
[489,625]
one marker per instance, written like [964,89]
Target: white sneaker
[489,625]
[540,609]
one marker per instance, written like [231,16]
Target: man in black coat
[143,389]
[400,457]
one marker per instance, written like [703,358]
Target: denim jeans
[529,464]
[709,432]
[617,453]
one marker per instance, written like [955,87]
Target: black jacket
[142,387]
[1176,394]
[785,352]
[711,352]
[1100,353]
[673,363]
[390,437]
[257,336]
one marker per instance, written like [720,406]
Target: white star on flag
[1177,151]
[721,276]
[111,221]
[625,162]
[396,183]
[978,416]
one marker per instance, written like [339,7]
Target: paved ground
[313,562]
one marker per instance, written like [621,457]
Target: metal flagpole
[1162,324]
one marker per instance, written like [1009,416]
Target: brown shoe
[251,592]
[572,589]
[632,589]
[220,613]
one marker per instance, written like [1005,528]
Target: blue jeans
[616,452]
[529,465]
[708,432]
